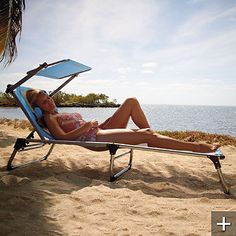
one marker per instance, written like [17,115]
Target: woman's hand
[94,123]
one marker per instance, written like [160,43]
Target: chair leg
[9,164]
[20,145]
[216,162]
[222,180]
[113,149]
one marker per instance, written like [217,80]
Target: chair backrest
[32,114]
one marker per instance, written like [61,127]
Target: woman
[71,126]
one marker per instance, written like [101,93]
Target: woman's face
[45,102]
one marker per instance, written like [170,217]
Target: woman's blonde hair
[31,96]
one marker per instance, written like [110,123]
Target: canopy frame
[31,73]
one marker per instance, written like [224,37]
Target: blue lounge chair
[70,69]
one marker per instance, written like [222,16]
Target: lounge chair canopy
[63,69]
[66,68]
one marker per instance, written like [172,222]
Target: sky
[160,51]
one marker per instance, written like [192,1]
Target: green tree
[103,98]
[62,98]
[7,99]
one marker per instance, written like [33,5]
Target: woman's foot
[204,147]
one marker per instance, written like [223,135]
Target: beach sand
[69,194]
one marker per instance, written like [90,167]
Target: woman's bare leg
[130,108]
[129,136]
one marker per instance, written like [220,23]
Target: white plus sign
[224,224]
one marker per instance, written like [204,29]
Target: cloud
[147,71]
[201,20]
[125,70]
[149,65]
[230,88]
[94,24]
[9,78]
[195,1]
[126,42]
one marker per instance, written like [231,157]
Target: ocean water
[211,119]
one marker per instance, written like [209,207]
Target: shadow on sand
[43,183]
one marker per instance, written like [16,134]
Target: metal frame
[23,144]
[112,149]
[214,157]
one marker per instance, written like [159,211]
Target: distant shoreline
[73,105]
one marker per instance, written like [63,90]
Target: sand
[69,194]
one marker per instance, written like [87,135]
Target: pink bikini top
[70,121]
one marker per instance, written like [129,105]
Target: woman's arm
[59,133]
[103,124]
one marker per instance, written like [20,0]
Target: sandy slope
[70,194]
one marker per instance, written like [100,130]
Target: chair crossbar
[123,154]
[31,147]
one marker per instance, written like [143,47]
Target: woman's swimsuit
[71,121]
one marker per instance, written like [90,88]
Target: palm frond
[10,27]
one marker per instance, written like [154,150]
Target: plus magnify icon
[224,224]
